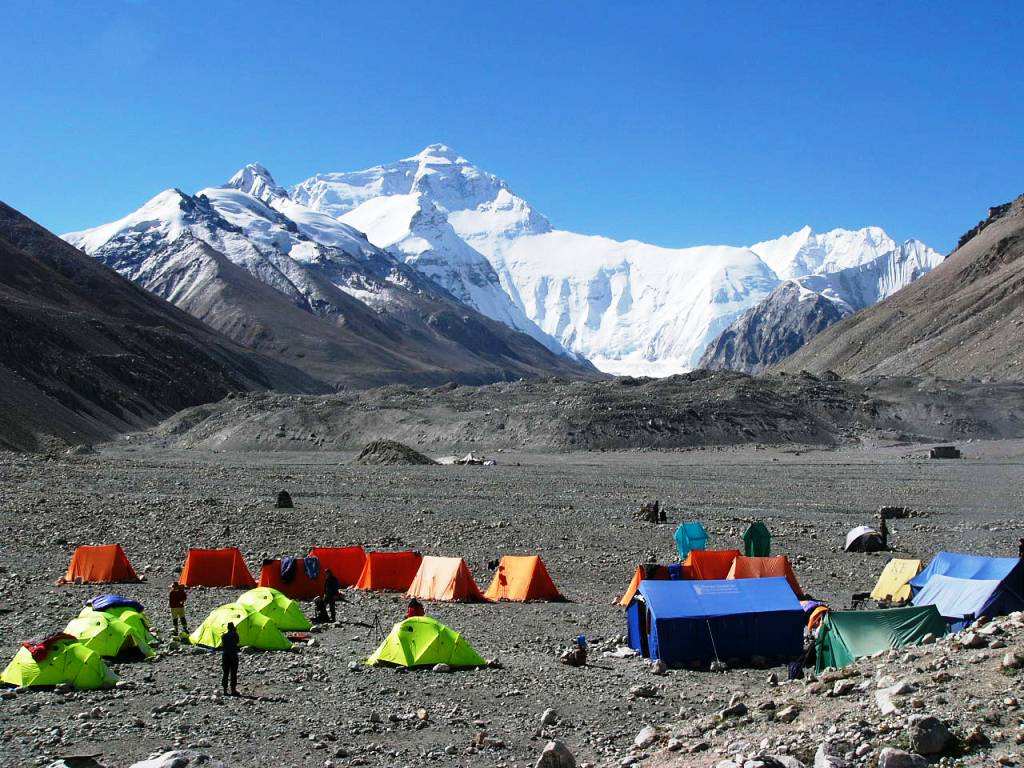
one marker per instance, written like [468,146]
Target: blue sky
[675,123]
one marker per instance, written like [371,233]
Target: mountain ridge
[963,319]
[87,355]
[627,306]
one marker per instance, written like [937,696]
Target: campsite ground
[576,510]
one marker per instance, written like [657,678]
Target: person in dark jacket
[229,659]
[415,609]
[331,589]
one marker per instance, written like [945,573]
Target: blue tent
[690,536]
[681,622]
[963,587]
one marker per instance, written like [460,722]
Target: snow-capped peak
[437,152]
[806,252]
[254,179]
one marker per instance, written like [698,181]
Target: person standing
[229,659]
[176,599]
[331,589]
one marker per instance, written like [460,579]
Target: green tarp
[422,641]
[757,541]
[849,635]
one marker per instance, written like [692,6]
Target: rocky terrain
[85,355]
[695,409]
[963,319]
[318,706]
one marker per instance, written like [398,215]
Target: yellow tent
[893,583]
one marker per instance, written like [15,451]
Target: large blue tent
[683,622]
[690,536]
[964,587]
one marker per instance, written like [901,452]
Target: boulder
[284,500]
[556,755]
[648,735]
[830,755]
[897,758]
[928,735]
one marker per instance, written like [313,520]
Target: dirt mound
[391,452]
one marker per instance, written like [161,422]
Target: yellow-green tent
[894,581]
[67,661]
[136,620]
[422,641]
[108,636]
[283,611]
[254,630]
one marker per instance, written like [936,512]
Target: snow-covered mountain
[629,307]
[276,275]
[802,307]
[408,208]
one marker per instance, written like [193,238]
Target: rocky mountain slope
[299,285]
[628,307]
[963,319]
[803,307]
[84,354]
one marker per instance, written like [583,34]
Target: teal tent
[690,536]
[757,540]
[849,635]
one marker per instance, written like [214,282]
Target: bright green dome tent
[283,611]
[254,630]
[137,621]
[108,636]
[423,642]
[757,540]
[849,635]
[66,661]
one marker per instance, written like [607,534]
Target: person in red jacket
[415,609]
[176,600]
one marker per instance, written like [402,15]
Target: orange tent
[710,563]
[390,571]
[648,571]
[761,567]
[216,568]
[444,578]
[301,587]
[105,564]
[521,579]
[346,563]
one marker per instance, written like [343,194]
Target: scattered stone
[928,735]
[556,755]
[788,714]
[897,758]
[972,640]
[648,735]
[830,755]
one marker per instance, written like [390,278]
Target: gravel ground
[576,509]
